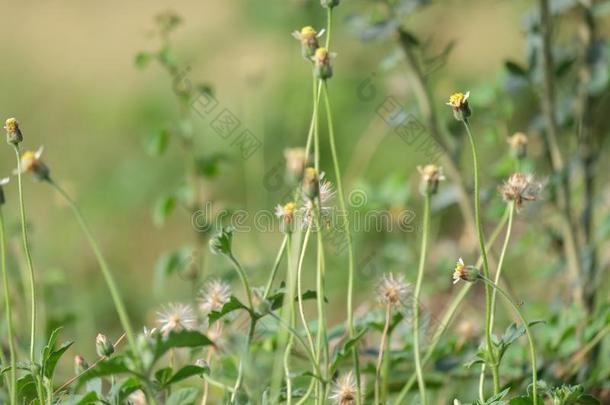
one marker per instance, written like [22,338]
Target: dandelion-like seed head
[459,104]
[518,144]
[520,187]
[392,290]
[214,295]
[431,175]
[326,194]
[175,318]
[344,390]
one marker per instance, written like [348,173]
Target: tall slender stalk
[509,227]
[106,272]
[449,313]
[322,351]
[9,315]
[530,338]
[481,237]
[382,345]
[276,266]
[420,276]
[28,257]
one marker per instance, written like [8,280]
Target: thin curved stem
[448,317]
[322,351]
[348,236]
[300,290]
[530,338]
[420,276]
[106,272]
[382,345]
[9,316]
[240,371]
[481,237]
[509,227]
[276,266]
[28,257]
[244,281]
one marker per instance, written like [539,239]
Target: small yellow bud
[13,133]
[459,104]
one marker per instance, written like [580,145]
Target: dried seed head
[103,345]
[175,318]
[308,37]
[344,390]
[459,104]
[392,290]
[466,273]
[214,295]
[518,144]
[296,160]
[322,68]
[520,187]
[32,163]
[430,177]
[13,133]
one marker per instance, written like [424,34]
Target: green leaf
[88,399]
[185,396]
[345,351]
[112,366]
[208,166]
[171,263]
[142,59]
[186,372]
[515,69]
[157,143]
[233,305]
[184,338]
[163,208]
[26,389]
[51,361]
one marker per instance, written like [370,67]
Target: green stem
[509,227]
[420,276]
[329,26]
[300,290]
[276,266]
[28,256]
[530,338]
[481,237]
[244,281]
[9,316]
[448,317]
[322,353]
[348,235]
[382,345]
[240,371]
[106,272]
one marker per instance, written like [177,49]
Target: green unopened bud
[311,183]
[80,365]
[430,177]
[308,37]
[322,68]
[466,273]
[329,3]
[13,133]
[221,243]
[103,345]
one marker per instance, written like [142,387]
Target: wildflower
[31,162]
[309,40]
[392,290]
[103,345]
[175,318]
[326,193]
[430,177]
[221,243]
[3,182]
[149,332]
[329,3]
[520,187]
[518,144]
[80,365]
[13,133]
[286,214]
[466,273]
[311,183]
[137,398]
[344,390]
[214,296]
[459,104]
[322,68]
[296,159]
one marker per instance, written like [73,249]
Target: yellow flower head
[11,125]
[28,161]
[290,208]
[457,100]
[321,55]
[31,162]
[308,33]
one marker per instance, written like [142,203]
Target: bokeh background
[68,74]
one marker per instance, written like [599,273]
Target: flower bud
[322,68]
[3,182]
[221,242]
[296,160]
[308,37]
[80,365]
[459,104]
[518,144]
[13,133]
[430,177]
[286,214]
[103,345]
[330,3]
[311,183]
[466,273]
